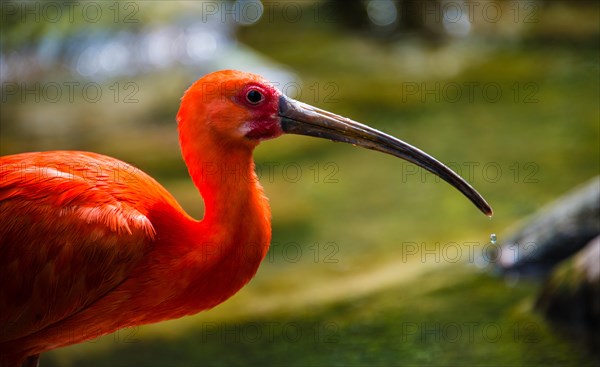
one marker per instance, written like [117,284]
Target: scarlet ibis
[90,244]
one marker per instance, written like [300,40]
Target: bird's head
[238,109]
[234,107]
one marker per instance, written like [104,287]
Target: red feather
[91,244]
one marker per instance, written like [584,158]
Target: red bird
[90,244]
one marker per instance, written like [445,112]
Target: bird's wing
[67,237]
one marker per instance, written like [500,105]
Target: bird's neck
[229,186]
[234,235]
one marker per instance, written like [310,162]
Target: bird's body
[136,255]
[90,244]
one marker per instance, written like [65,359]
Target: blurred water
[190,39]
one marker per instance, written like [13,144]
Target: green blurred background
[373,261]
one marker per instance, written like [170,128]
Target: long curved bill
[300,118]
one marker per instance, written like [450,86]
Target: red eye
[254,96]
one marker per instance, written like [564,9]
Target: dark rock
[552,234]
[571,296]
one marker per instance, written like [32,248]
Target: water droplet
[493,238]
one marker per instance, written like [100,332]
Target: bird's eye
[253,96]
